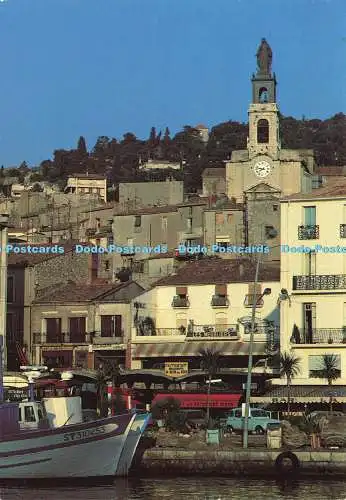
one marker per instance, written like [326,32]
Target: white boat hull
[138,426]
[86,450]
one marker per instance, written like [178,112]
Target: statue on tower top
[264,58]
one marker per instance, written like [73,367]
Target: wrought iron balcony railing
[59,338]
[219,301]
[324,336]
[213,331]
[342,230]
[320,282]
[170,332]
[180,301]
[74,337]
[308,232]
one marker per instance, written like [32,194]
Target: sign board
[176,370]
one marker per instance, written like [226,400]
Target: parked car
[195,418]
[258,420]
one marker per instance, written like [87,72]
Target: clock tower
[264,136]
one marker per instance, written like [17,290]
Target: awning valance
[175,349]
[201,400]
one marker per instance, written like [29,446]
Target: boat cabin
[32,415]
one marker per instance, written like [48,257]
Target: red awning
[200,400]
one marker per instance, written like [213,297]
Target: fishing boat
[138,426]
[86,450]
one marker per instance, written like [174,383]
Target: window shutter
[181,290]
[253,290]
[221,290]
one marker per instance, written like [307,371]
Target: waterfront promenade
[238,462]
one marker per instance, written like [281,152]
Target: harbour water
[197,488]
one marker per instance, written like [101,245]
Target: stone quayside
[239,462]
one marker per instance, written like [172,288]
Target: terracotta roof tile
[215,270]
[336,188]
[72,292]
[31,259]
[214,172]
[330,171]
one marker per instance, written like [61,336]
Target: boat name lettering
[75,436]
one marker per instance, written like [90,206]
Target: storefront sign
[282,400]
[175,370]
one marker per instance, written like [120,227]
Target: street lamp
[267,291]
[3,298]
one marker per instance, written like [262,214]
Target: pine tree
[82,145]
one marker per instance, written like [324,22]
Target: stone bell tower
[264,136]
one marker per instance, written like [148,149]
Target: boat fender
[287,463]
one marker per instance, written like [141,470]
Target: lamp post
[3,299]
[255,301]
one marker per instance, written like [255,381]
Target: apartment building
[207,303]
[313,321]
[72,321]
[87,184]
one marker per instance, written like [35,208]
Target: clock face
[262,169]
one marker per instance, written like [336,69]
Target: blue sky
[106,67]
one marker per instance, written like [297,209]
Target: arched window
[262,131]
[263,95]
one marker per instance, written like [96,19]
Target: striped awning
[303,394]
[175,349]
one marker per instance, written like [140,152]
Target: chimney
[93,266]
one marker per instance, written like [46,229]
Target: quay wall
[252,462]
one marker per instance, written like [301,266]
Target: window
[310,263]
[77,330]
[10,327]
[138,221]
[130,242]
[269,231]
[181,292]
[275,208]
[254,295]
[98,223]
[237,414]
[219,218]
[181,322]
[164,223]
[221,290]
[310,216]
[309,318]
[263,131]
[317,365]
[107,265]
[53,330]
[20,414]
[263,95]
[29,414]
[111,325]
[10,289]
[189,223]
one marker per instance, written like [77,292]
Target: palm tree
[330,371]
[289,368]
[210,364]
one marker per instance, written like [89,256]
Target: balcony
[213,332]
[170,332]
[320,282]
[219,301]
[60,338]
[180,301]
[78,338]
[324,336]
[308,232]
[342,230]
